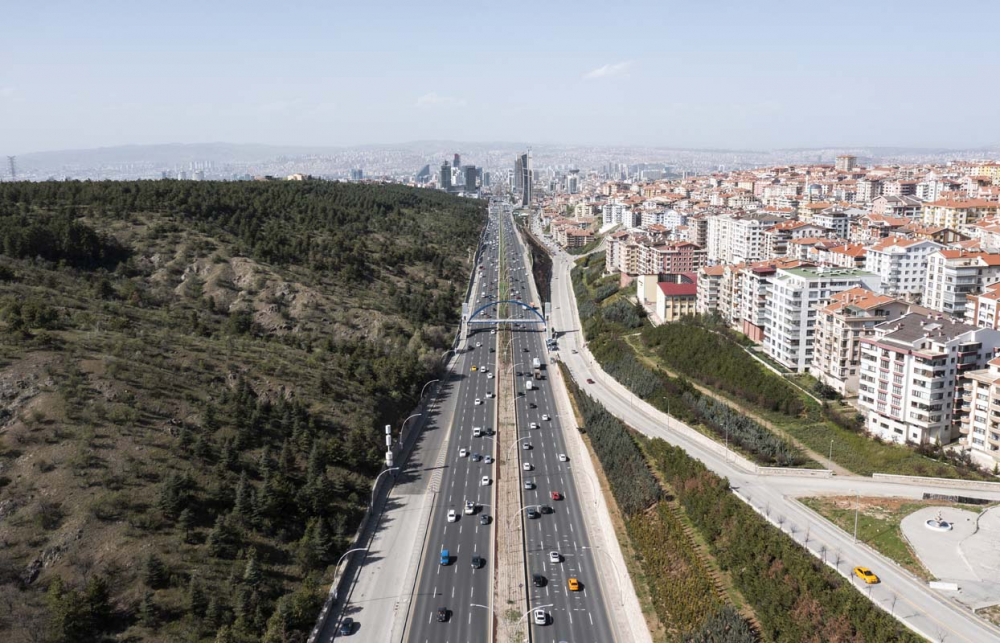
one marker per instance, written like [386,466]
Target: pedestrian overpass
[475,318]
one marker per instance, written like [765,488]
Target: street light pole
[857,503]
[402,426]
[428,384]
[371,505]
[336,567]
[513,444]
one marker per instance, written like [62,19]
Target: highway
[924,610]
[576,616]
[458,587]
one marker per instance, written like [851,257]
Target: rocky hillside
[193,377]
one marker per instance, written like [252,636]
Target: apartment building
[709,283]
[983,310]
[951,213]
[980,429]
[840,325]
[901,264]
[738,238]
[678,257]
[913,373]
[835,220]
[792,308]
[776,238]
[907,207]
[731,293]
[953,275]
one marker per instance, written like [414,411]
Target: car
[533,425]
[490,376]
[590,381]
[527,466]
[545,509]
[477,561]
[555,495]
[545,418]
[442,615]
[563,458]
[476,457]
[490,394]
[540,617]
[473,369]
[488,459]
[532,405]
[526,350]
[538,580]
[529,485]
[520,374]
[533,513]
[485,482]
[526,446]
[493,331]
[484,369]
[555,557]
[470,507]
[478,401]
[463,452]
[574,352]
[479,344]
[484,519]
[492,350]
[573,584]
[452,516]
[866,575]
[347,626]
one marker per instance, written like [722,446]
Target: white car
[529,485]
[479,344]
[527,466]
[485,482]
[470,507]
[489,376]
[545,418]
[533,425]
[563,458]
[463,452]
[488,459]
[484,369]
[493,331]
[554,557]
[526,446]
[490,395]
[478,401]
[452,516]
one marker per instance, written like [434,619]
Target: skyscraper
[446,176]
[523,178]
[458,160]
[471,174]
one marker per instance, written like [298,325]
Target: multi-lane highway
[464,591]
[575,615]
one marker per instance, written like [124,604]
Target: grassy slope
[100,410]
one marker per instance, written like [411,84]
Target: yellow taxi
[474,368]
[866,575]
[573,584]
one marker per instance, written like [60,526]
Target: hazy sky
[698,73]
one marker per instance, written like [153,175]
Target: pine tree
[185,524]
[154,572]
[243,507]
[148,615]
[252,574]
[287,459]
[197,601]
[322,542]
[97,598]
[225,635]
[316,465]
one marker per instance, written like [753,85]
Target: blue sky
[707,73]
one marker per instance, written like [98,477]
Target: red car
[590,381]
[556,495]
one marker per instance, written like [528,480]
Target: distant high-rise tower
[471,174]
[446,176]
[523,187]
[846,163]
[424,175]
[11,161]
[357,174]
[458,160]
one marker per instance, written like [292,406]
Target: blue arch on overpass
[541,320]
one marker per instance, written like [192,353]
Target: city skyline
[770,76]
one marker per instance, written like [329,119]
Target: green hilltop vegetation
[194,377]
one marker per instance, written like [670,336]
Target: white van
[477,432]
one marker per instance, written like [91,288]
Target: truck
[529,385]
[537,373]
[536,363]
[445,557]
